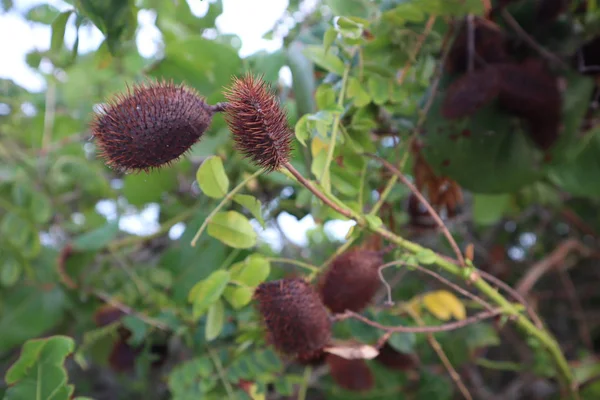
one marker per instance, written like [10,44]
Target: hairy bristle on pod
[150,125]
[351,280]
[296,320]
[354,375]
[470,92]
[393,359]
[258,123]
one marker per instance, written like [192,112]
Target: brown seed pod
[296,320]
[314,358]
[122,356]
[351,280]
[354,375]
[393,359]
[470,92]
[151,125]
[258,123]
[531,92]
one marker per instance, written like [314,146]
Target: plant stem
[219,366]
[336,123]
[225,200]
[305,383]
[470,274]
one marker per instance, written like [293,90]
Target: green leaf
[204,293]
[357,93]
[39,372]
[98,238]
[579,176]
[43,13]
[238,297]
[208,68]
[488,152]
[323,59]
[40,208]
[403,342]
[302,130]
[303,79]
[10,271]
[115,18]
[140,189]
[29,312]
[253,271]
[379,89]
[373,221]
[329,37]
[426,257]
[137,327]
[488,209]
[58,31]
[252,204]
[233,229]
[212,178]
[325,97]
[357,8]
[214,320]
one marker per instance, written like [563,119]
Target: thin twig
[556,257]
[421,329]
[417,48]
[454,286]
[578,313]
[512,22]
[428,206]
[308,184]
[470,42]
[219,366]
[108,299]
[435,345]
[516,295]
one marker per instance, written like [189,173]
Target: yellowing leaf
[444,305]
[318,145]
[254,394]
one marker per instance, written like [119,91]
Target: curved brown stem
[423,200]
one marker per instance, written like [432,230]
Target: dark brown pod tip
[314,358]
[258,123]
[151,125]
[107,314]
[470,92]
[393,359]
[295,318]
[122,356]
[354,375]
[531,92]
[351,280]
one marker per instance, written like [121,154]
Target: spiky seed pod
[351,280]
[531,92]
[258,123]
[354,375]
[151,125]
[296,320]
[470,92]
[393,359]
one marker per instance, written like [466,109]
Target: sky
[234,20]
